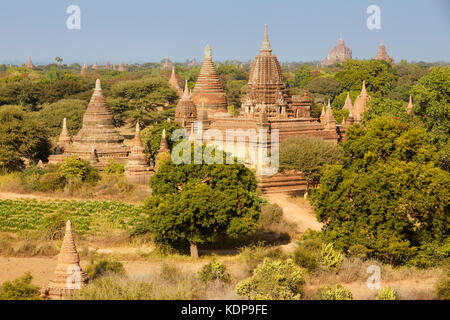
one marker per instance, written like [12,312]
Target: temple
[95,66]
[208,88]
[409,108]
[107,65]
[84,69]
[167,64]
[30,63]
[173,81]
[137,169]
[266,106]
[98,142]
[68,277]
[121,66]
[382,54]
[358,108]
[338,54]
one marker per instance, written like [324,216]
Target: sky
[135,31]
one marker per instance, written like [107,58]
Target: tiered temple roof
[173,81]
[98,132]
[95,66]
[68,274]
[265,89]
[137,169]
[409,108]
[338,54]
[382,54]
[186,111]
[208,88]
[30,63]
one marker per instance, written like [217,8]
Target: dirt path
[296,210]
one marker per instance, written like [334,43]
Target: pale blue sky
[147,31]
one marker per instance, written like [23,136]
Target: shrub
[270,214]
[11,182]
[213,271]
[51,181]
[338,292]
[76,168]
[386,293]
[253,255]
[273,280]
[359,251]
[306,259]
[104,267]
[19,289]
[53,226]
[443,288]
[331,259]
[115,168]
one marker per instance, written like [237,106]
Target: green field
[87,216]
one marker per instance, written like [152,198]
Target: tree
[140,99]
[21,138]
[52,115]
[379,75]
[19,289]
[388,195]
[151,137]
[432,106]
[58,60]
[195,203]
[308,155]
[386,107]
[327,87]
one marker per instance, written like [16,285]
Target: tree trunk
[194,250]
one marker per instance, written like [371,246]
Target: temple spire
[409,109]
[163,146]
[64,138]
[68,274]
[98,85]
[363,90]
[137,136]
[207,54]
[341,40]
[186,94]
[265,48]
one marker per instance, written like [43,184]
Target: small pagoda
[137,169]
[173,81]
[186,111]
[30,63]
[382,54]
[68,277]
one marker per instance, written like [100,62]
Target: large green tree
[21,138]
[195,203]
[389,195]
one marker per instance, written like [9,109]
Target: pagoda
[137,169]
[360,103]
[338,54]
[348,106]
[382,54]
[265,89]
[84,69]
[95,66]
[186,111]
[208,88]
[409,108]
[173,81]
[30,63]
[121,66]
[68,276]
[167,64]
[98,133]
[107,65]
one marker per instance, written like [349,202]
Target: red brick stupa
[382,54]
[173,81]
[208,88]
[137,169]
[338,54]
[30,63]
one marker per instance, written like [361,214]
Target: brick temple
[338,54]
[382,54]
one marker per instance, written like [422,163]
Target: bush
[76,168]
[338,292]
[213,271]
[104,267]
[306,259]
[331,259]
[274,280]
[359,251]
[270,214]
[386,293]
[51,181]
[255,254]
[53,226]
[115,168]
[19,289]
[443,288]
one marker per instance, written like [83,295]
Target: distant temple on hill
[99,142]
[338,54]
[382,54]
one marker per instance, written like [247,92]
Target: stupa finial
[265,48]
[208,53]
[98,85]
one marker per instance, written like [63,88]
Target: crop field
[90,217]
